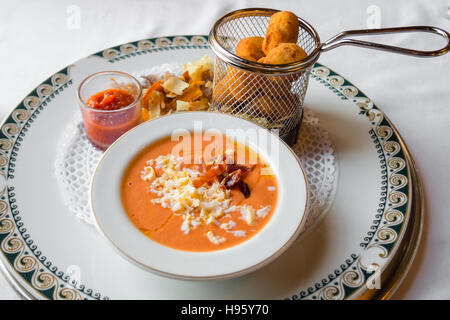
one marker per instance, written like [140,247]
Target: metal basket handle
[338,40]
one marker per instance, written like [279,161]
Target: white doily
[77,159]
[316,153]
[75,163]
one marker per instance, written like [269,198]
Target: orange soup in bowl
[201,194]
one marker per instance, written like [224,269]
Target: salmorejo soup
[196,196]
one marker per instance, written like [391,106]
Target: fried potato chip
[145,115]
[200,104]
[175,85]
[154,104]
[200,69]
[183,105]
[193,92]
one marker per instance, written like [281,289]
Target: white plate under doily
[50,254]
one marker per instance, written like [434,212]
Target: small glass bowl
[103,127]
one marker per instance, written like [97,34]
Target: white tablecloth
[37,38]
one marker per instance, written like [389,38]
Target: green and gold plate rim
[401,198]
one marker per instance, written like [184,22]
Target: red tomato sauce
[107,116]
[110,99]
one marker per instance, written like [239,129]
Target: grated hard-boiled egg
[175,189]
[215,239]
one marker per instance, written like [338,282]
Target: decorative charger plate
[361,248]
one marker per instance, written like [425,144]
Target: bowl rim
[229,275]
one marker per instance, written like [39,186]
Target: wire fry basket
[273,95]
